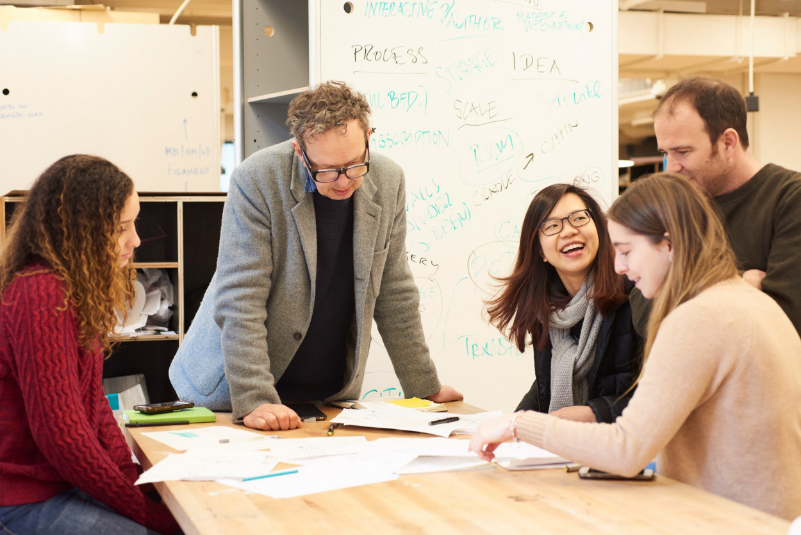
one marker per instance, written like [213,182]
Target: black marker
[445,420]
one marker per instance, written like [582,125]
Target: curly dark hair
[329,105]
[68,225]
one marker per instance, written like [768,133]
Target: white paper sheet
[312,480]
[390,461]
[300,448]
[207,437]
[524,456]
[203,465]
[440,447]
[403,419]
[429,464]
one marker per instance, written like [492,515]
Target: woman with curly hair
[64,271]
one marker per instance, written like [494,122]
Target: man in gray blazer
[313,248]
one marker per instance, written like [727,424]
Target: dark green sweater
[763,221]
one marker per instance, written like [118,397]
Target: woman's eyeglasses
[579,218]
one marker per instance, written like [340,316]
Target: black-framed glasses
[577,219]
[325,176]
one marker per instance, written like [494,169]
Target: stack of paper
[290,450]
[209,437]
[387,416]
[203,464]
[422,405]
[330,463]
[524,456]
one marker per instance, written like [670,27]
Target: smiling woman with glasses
[718,403]
[577,219]
[565,297]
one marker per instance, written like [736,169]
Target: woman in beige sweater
[719,397]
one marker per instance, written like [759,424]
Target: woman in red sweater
[64,271]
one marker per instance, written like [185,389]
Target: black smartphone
[158,408]
[588,473]
[307,410]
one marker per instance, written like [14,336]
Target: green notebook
[194,415]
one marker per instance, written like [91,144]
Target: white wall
[776,127]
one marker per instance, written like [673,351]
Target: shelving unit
[271,67]
[180,233]
[281,97]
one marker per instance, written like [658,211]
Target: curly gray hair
[329,105]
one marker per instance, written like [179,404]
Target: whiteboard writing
[483,103]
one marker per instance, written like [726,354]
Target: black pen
[155,424]
[445,420]
[331,428]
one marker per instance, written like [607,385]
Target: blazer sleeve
[244,268]
[397,312]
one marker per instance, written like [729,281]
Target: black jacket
[618,354]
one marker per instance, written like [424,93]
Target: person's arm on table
[663,401]
[244,267]
[51,389]
[397,315]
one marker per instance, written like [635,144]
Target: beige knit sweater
[719,402]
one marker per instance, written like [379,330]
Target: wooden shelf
[282,97]
[148,265]
[180,232]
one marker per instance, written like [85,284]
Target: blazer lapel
[366,217]
[303,212]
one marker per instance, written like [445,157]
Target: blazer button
[298,336]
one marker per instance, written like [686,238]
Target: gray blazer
[259,305]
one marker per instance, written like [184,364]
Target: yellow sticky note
[411,403]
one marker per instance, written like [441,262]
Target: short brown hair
[720,105]
[534,290]
[329,105]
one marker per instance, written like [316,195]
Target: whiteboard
[483,103]
[124,94]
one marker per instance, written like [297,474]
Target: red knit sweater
[56,428]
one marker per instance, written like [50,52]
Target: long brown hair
[534,290]
[669,203]
[68,226]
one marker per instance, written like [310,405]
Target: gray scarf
[572,359]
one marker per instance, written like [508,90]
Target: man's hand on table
[272,417]
[446,393]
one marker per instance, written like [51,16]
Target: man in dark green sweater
[700,125]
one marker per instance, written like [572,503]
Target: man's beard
[715,178]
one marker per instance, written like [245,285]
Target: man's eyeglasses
[324,176]
[579,218]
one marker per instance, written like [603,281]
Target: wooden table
[486,501]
